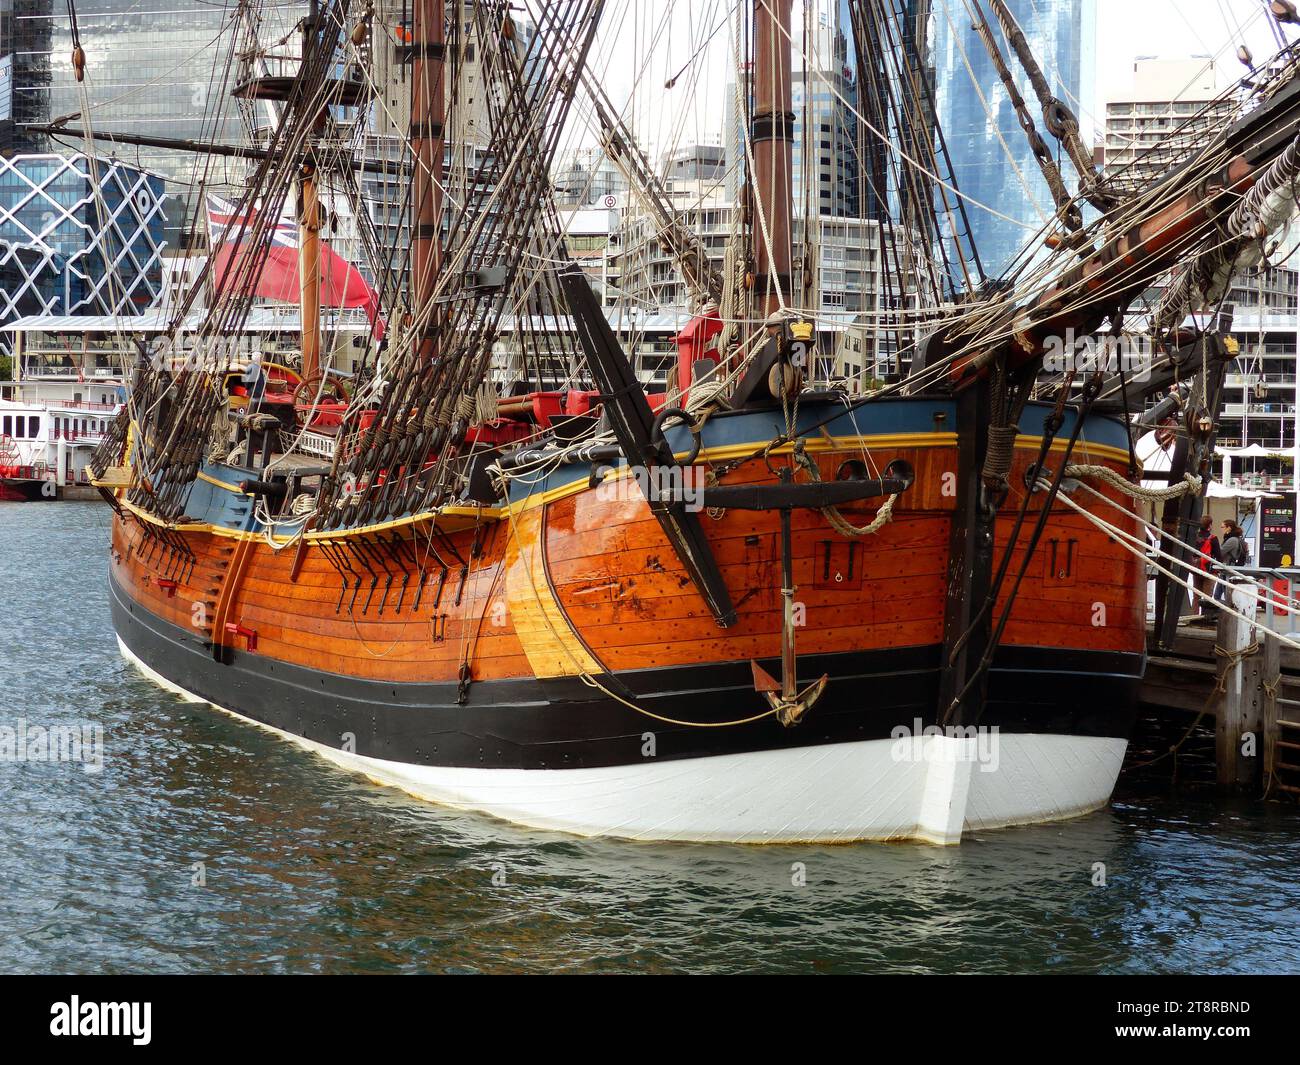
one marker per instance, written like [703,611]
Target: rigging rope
[1106,475]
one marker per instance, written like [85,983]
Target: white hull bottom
[930,790]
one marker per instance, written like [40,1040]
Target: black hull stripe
[564,723]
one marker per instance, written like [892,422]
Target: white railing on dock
[1278,597]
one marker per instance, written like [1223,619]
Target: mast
[428,49]
[772,134]
[309,225]
[309,270]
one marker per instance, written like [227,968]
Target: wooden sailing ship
[769,611]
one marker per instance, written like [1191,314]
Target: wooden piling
[1239,710]
[1247,688]
[1270,688]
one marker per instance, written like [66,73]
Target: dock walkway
[1248,682]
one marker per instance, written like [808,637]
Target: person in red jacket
[1208,546]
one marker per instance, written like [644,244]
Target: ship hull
[551,662]
[865,790]
[24,490]
[1050,745]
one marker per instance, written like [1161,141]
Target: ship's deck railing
[319,444]
[83,436]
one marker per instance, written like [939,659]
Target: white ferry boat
[67,384]
[45,447]
[70,374]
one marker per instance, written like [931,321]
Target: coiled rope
[837,520]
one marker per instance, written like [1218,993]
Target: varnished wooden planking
[600,586]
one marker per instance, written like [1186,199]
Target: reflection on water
[305,868]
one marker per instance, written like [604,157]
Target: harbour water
[207,845]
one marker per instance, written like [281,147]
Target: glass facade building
[30,284]
[6,68]
[976,114]
[155,67]
[63,250]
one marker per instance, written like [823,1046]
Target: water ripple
[307,869]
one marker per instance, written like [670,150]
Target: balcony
[81,404]
[1258,410]
[78,436]
[61,372]
[1248,322]
[1280,382]
[1263,482]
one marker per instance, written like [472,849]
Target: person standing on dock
[1235,552]
[1208,546]
[255,380]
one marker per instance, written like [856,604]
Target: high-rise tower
[992,161]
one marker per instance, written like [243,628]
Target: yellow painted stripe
[449,519]
[221,484]
[545,634]
[456,518]
[189,526]
[1083,447]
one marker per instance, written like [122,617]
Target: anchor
[790,704]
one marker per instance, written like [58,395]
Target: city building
[648,277]
[826,175]
[29,282]
[852,281]
[589,178]
[154,67]
[1158,123]
[648,338]
[591,236]
[467,160]
[1153,126]
[64,249]
[6,75]
[20,44]
[992,160]
[1260,388]
[826,152]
